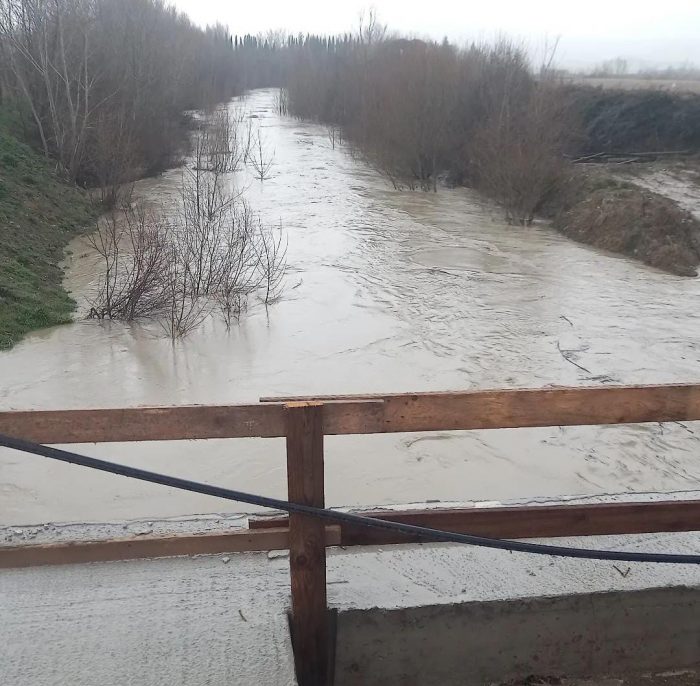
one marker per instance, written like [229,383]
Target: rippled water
[387,291]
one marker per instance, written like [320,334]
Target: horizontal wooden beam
[144,423]
[443,411]
[141,547]
[403,412]
[271,533]
[526,521]
[176,423]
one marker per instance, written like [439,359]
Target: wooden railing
[305,421]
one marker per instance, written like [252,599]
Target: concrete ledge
[476,643]
[204,621]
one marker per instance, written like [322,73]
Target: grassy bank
[39,214]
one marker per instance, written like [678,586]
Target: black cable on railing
[425,533]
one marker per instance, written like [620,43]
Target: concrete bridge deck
[413,614]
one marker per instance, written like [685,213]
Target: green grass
[39,214]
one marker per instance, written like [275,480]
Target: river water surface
[386,291]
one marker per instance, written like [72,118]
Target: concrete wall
[474,643]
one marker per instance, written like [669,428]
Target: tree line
[102,85]
[419,109]
[416,110]
[484,114]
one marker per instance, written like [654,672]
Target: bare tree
[88,69]
[518,158]
[222,142]
[334,134]
[135,250]
[260,159]
[208,254]
[113,160]
[549,53]
[281,102]
[370,29]
[185,308]
[48,48]
[272,260]
[417,110]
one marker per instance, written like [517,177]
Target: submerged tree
[260,159]
[205,257]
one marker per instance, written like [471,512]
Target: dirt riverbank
[630,217]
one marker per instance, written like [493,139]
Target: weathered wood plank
[271,533]
[175,423]
[144,423]
[527,521]
[142,547]
[375,414]
[494,409]
[307,551]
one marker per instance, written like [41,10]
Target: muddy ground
[636,212]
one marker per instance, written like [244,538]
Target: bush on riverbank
[101,88]
[39,214]
[417,109]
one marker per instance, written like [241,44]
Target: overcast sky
[659,32]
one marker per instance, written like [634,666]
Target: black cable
[425,533]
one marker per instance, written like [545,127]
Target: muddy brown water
[387,291]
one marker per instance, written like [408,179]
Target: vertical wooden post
[307,544]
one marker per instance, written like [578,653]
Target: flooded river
[386,291]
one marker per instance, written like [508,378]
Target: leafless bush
[155,270]
[204,212]
[134,246]
[207,255]
[241,271]
[114,162]
[282,102]
[272,260]
[518,157]
[185,308]
[222,144]
[334,134]
[260,159]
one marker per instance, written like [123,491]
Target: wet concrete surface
[387,291]
[204,621]
[224,615]
[222,619]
